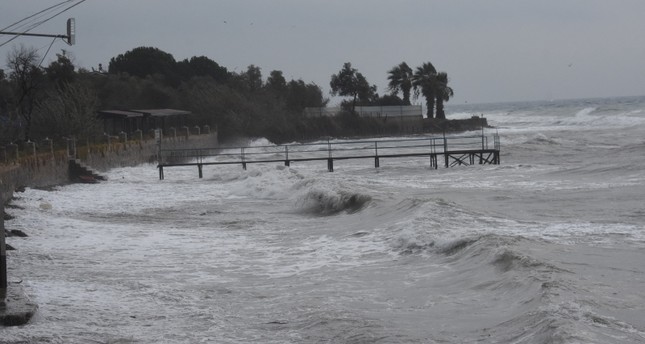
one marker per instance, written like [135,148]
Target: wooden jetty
[454,150]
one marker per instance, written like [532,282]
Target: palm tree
[442,93]
[424,82]
[401,80]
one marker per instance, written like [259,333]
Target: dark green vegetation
[60,100]
[425,80]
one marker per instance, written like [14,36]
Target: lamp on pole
[69,38]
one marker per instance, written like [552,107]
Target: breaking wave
[323,202]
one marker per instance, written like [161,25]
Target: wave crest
[321,202]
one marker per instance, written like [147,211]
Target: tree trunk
[430,107]
[354,103]
[406,96]
[440,113]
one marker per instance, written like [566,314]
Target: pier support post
[330,165]
[433,161]
[160,172]
[199,167]
[376,162]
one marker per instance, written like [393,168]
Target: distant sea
[547,247]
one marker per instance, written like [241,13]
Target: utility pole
[3,255]
[69,38]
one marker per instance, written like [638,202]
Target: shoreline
[47,172]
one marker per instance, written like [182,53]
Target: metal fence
[368,111]
[329,150]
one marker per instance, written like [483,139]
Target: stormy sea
[546,247]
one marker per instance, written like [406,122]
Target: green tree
[443,93]
[61,71]
[27,81]
[349,82]
[253,78]
[69,109]
[301,95]
[276,82]
[400,79]
[146,61]
[202,66]
[424,82]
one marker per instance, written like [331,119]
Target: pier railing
[455,150]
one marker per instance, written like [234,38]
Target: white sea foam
[548,245]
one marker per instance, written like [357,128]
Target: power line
[33,26]
[47,52]
[35,14]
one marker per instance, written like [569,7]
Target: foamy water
[545,248]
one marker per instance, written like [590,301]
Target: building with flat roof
[128,121]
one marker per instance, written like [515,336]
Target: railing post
[483,138]
[330,160]
[376,159]
[243,160]
[445,150]
[286,156]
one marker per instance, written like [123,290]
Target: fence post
[33,147]
[140,134]
[187,131]
[69,147]
[14,147]
[50,143]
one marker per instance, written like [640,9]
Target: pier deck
[453,150]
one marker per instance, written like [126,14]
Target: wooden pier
[452,150]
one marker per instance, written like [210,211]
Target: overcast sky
[492,50]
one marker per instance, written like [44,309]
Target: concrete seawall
[44,170]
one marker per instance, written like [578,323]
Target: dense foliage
[60,100]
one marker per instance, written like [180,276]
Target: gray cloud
[494,50]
